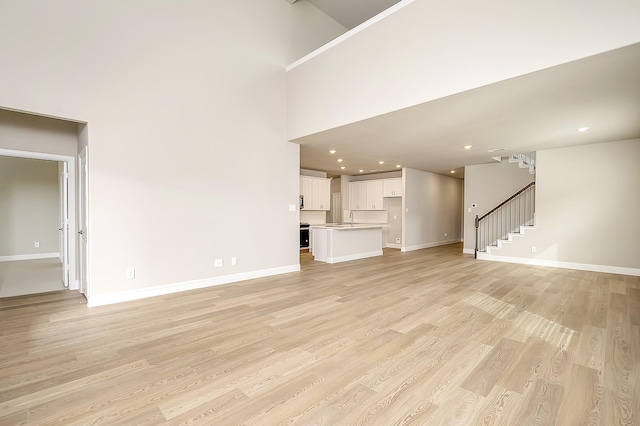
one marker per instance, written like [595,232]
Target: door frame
[71,168]
[83,203]
[63,191]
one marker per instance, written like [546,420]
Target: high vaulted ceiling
[352,13]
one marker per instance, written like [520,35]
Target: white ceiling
[536,111]
[352,13]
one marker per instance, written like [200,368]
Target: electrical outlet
[131,273]
[234,261]
[218,263]
[36,244]
[533,249]
[446,235]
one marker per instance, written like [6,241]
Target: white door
[64,222]
[337,207]
[82,220]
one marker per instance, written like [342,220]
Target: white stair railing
[527,159]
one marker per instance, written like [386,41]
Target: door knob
[81,232]
[60,229]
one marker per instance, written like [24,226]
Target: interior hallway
[22,277]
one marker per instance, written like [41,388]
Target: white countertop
[349,227]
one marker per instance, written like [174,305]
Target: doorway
[394,231]
[53,264]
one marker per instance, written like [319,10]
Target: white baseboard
[429,245]
[125,296]
[29,256]
[468,251]
[558,264]
[354,256]
[393,245]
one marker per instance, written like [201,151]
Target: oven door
[304,237]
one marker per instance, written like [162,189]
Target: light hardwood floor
[426,338]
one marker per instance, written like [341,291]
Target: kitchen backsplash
[366,216]
[314,217]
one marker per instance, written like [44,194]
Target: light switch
[292,207]
[469,210]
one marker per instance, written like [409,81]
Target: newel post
[475,251]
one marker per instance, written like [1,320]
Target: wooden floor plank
[583,398]
[486,375]
[540,405]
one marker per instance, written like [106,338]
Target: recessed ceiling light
[453,171]
[583,129]
[339,160]
[398,165]
[468,147]
[332,151]
[343,167]
[361,170]
[380,162]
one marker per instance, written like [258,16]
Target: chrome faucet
[351,217]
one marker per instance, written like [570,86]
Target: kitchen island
[341,243]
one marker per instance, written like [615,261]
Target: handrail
[504,202]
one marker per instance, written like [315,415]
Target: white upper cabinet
[374,195]
[392,187]
[366,195]
[358,195]
[316,192]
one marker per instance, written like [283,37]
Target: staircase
[526,160]
[507,221]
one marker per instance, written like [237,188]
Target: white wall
[587,204]
[29,207]
[432,206]
[428,50]
[488,185]
[186,106]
